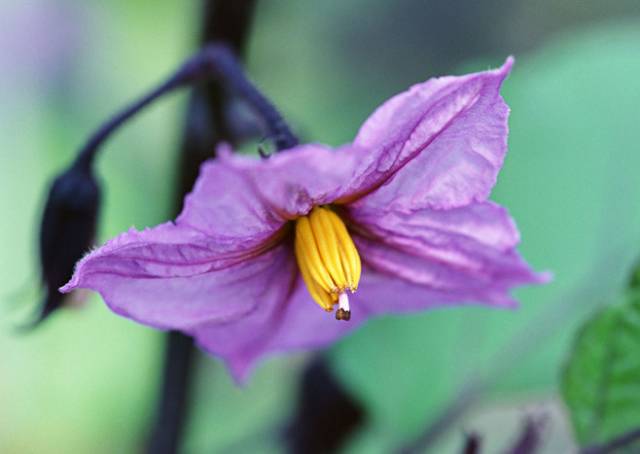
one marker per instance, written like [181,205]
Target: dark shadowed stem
[634,278]
[451,414]
[172,406]
[530,439]
[215,61]
[325,415]
[221,63]
[86,155]
[472,444]
[227,22]
[623,441]
[205,126]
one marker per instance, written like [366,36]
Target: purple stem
[215,61]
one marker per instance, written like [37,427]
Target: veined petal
[383,293]
[226,204]
[286,322]
[438,145]
[414,186]
[179,274]
[292,182]
[466,254]
[171,278]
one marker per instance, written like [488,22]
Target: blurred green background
[86,380]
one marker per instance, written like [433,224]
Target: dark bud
[67,231]
[325,415]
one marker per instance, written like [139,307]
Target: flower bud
[67,230]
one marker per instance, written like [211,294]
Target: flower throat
[328,259]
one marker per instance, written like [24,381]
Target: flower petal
[295,323]
[383,293]
[294,181]
[459,255]
[179,274]
[224,204]
[171,277]
[438,145]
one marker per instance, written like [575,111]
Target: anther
[343,312]
[327,258]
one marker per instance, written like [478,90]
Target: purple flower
[396,221]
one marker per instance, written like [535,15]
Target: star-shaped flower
[396,221]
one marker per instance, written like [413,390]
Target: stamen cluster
[328,259]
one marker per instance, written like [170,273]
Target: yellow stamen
[327,257]
[348,250]
[323,298]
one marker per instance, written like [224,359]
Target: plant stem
[625,440]
[472,444]
[172,406]
[226,22]
[325,415]
[451,413]
[215,61]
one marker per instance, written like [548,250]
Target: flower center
[328,259]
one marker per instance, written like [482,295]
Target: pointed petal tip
[240,377]
[544,277]
[509,304]
[77,280]
[74,282]
[534,278]
[508,63]
[69,286]
[504,70]
[240,368]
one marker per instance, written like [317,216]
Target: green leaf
[601,381]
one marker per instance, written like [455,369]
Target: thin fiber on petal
[438,145]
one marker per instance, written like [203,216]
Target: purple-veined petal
[438,145]
[294,181]
[382,293]
[414,185]
[465,254]
[282,323]
[226,204]
[179,274]
[171,277]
